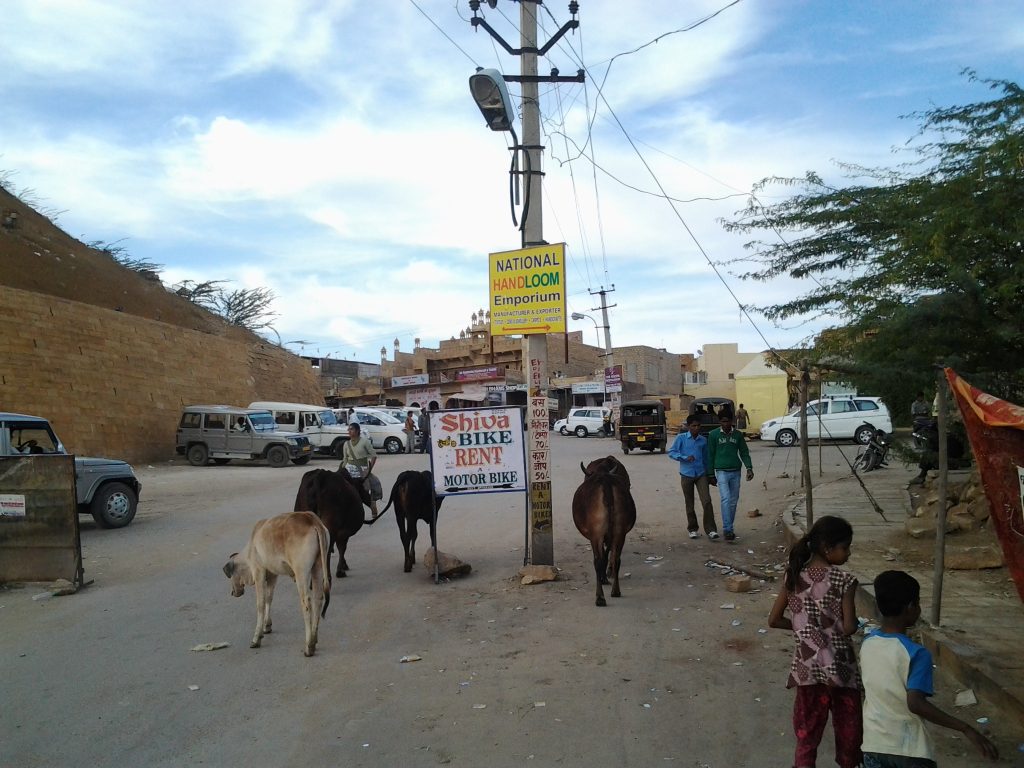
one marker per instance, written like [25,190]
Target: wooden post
[940,512]
[805,458]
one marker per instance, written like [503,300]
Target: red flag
[995,429]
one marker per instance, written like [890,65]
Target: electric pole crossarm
[579,77]
[476,21]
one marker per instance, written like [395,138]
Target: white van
[586,420]
[315,422]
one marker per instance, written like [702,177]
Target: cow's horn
[583,468]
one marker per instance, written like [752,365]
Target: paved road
[509,675]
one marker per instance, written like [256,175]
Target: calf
[337,500]
[414,499]
[604,512]
[293,544]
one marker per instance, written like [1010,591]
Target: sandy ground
[508,675]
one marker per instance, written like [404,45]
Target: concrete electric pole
[535,345]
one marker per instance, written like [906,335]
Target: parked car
[843,417]
[709,410]
[316,422]
[105,488]
[642,425]
[588,420]
[384,430]
[224,432]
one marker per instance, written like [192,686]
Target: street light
[491,96]
[597,333]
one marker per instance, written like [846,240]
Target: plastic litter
[193,687]
[982,721]
[210,646]
[479,706]
[965,698]
[410,657]
[727,606]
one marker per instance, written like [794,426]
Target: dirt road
[509,675]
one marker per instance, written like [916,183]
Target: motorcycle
[875,453]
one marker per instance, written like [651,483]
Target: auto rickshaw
[642,425]
[709,410]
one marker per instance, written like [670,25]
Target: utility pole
[535,346]
[608,360]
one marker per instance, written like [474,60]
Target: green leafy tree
[917,263]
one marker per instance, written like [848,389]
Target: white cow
[293,544]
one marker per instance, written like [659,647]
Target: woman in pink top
[819,597]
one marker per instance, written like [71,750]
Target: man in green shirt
[727,455]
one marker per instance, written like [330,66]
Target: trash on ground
[727,606]
[982,721]
[210,646]
[410,657]
[193,687]
[479,706]
[965,698]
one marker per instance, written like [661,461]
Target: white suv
[588,420]
[844,417]
[382,429]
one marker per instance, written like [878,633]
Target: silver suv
[105,488]
[223,433]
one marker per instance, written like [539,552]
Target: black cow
[414,499]
[337,500]
[604,512]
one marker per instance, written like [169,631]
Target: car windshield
[263,421]
[327,418]
[33,438]
[386,418]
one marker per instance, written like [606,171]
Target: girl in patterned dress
[819,597]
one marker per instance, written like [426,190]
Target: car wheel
[337,447]
[625,448]
[114,505]
[393,445]
[786,438]
[863,434]
[221,462]
[581,431]
[277,456]
[198,455]
[563,431]
[302,460]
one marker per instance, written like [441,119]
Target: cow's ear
[229,566]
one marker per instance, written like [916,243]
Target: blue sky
[329,150]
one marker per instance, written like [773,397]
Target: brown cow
[293,544]
[415,499]
[604,512]
[337,500]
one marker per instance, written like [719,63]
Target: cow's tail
[325,564]
[608,494]
[391,500]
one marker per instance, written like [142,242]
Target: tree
[205,294]
[920,262]
[247,307]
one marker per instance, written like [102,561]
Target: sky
[330,150]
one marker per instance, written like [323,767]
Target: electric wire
[427,17]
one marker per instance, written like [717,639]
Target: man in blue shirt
[690,449]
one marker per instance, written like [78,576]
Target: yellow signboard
[528,290]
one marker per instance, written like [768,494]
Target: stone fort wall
[113,384]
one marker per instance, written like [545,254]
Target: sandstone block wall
[113,384]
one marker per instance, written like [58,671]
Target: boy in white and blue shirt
[897,676]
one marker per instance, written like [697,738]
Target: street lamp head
[491,96]
[577,316]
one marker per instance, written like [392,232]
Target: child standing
[820,599]
[898,682]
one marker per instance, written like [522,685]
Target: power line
[427,17]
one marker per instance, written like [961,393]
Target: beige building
[717,366]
